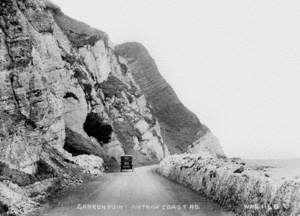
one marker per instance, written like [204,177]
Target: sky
[235,64]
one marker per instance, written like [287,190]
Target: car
[126,163]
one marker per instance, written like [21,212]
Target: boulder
[91,164]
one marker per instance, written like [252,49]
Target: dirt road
[140,193]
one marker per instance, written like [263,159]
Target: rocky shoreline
[234,185]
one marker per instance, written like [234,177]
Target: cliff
[71,104]
[182,129]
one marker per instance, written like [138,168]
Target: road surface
[138,193]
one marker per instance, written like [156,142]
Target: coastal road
[138,193]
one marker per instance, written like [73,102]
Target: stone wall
[234,185]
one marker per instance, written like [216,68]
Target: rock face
[234,185]
[68,103]
[71,103]
[208,142]
[181,128]
[63,85]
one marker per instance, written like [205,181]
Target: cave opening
[44,170]
[71,95]
[95,127]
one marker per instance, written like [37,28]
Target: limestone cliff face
[67,99]
[62,79]
[68,103]
[182,129]
[71,103]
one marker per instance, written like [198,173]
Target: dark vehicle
[126,163]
